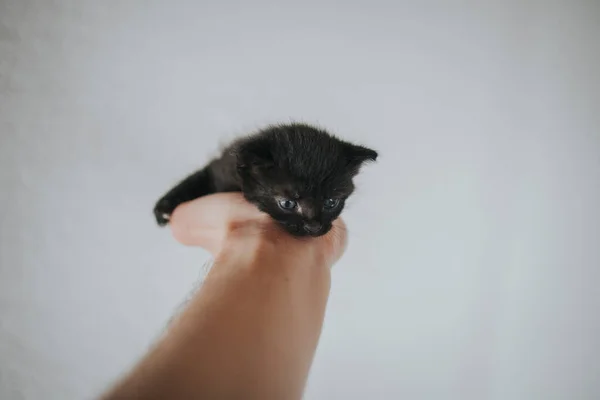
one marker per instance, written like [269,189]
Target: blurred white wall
[473,266]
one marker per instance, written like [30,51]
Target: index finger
[204,221]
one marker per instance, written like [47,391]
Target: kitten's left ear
[362,154]
[358,155]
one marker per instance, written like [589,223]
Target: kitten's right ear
[253,155]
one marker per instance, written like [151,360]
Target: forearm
[250,332]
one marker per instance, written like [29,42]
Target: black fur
[297,162]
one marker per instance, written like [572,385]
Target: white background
[473,265]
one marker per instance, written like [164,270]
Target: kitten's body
[295,173]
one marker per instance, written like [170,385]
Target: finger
[336,240]
[203,222]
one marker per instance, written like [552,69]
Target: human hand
[215,221]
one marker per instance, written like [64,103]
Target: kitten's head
[300,175]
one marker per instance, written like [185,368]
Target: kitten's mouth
[301,231]
[309,234]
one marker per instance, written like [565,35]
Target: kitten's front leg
[199,184]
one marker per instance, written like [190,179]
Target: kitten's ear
[358,155]
[363,154]
[254,155]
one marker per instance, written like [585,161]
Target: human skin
[251,331]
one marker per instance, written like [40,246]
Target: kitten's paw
[162,212]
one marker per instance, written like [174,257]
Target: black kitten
[300,175]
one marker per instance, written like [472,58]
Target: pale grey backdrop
[472,271]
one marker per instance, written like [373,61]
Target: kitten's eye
[330,204]
[287,204]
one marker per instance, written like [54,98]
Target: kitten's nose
[312,227]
